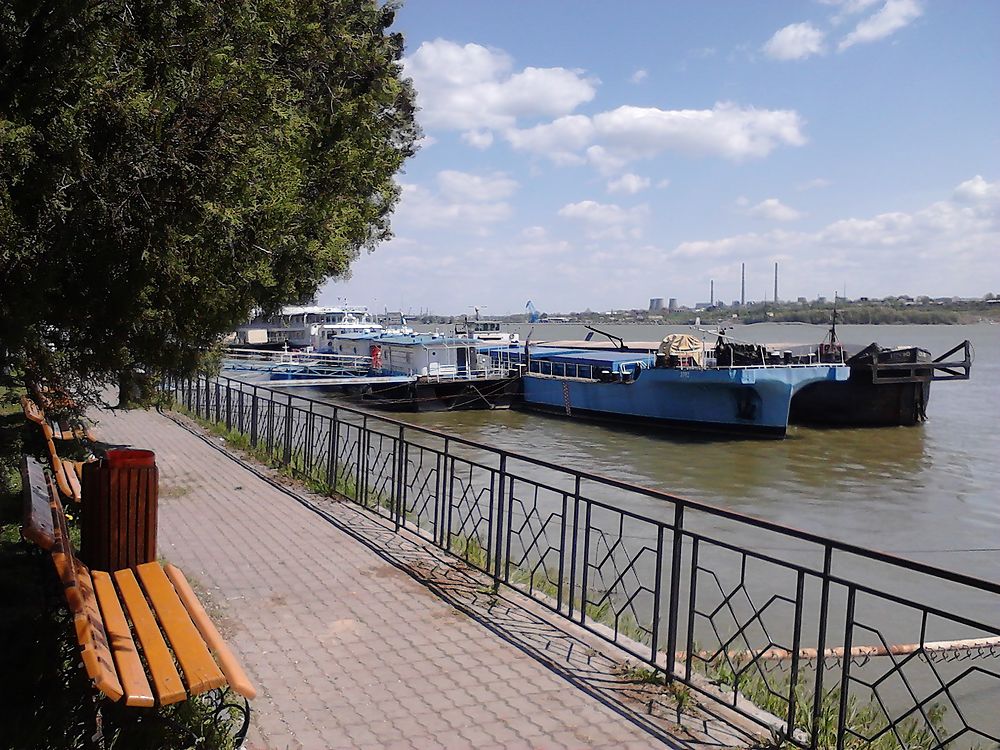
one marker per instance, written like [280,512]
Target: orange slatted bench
[66,471]
[145,638]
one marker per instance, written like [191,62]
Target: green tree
[167,167]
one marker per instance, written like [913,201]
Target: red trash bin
[119,510]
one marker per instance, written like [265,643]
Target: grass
[862,719]
[48,700]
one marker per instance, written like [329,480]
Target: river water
[928,492]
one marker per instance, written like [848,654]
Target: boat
[306,328]
[732,388]
[428,372]
[888,386]
[489,332]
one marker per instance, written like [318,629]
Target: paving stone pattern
[357,638]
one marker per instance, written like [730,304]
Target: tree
[167,167]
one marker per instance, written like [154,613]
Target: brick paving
[358,637]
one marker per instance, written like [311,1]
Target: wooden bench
[67,472]
[145,638]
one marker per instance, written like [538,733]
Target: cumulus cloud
[463,200]
[952,241]
[457,185]
[474,88]
[478,138]
[773,209]
[629,184]
[606,221]
[890,18]
[796,41]
[627,133]
[639,76]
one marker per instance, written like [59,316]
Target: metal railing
[824,643]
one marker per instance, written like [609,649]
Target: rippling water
[927,492]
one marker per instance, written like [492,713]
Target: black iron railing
[823,642]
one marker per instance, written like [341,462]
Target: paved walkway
[358,637]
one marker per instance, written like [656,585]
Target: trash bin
[119,505]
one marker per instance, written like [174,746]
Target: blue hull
[753,400]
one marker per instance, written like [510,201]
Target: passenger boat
[428,372]
[309,328]
[733,388]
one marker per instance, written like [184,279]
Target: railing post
[824,605]
[498,546]
[229,406]
[288,432]
[675,587]
[334,460]
[657,594]
[845,675]
[572,554]
[253,417]
[400,505]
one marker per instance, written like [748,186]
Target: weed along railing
[823,643]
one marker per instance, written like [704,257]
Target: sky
[585,154]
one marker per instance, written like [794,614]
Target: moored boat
[682,385]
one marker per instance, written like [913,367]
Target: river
[927,492]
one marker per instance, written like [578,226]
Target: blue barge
[643,388]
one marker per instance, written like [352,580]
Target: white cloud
[890,18]
[950,242]
[629,184]
[607,221]
[592,212]
[471,88]
[462,200]
[796,41]
[534,233]
[629,133]
[772,209]
[481,139]
[459,186]
[639,76]
[978,191]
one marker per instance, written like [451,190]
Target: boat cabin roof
[612,361]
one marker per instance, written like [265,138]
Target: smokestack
[776,281]
[711,294]
[743,284]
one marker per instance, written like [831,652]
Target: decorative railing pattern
[824,643]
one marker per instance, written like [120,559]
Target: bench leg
[225,701]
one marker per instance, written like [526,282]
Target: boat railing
[352,361]
[489,372]
[563,370]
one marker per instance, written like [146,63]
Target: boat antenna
[616,340]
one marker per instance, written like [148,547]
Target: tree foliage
[168,166]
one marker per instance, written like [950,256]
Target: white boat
[310,328]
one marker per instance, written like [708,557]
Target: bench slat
[166,681]
[130,669]
[200,670]
[96,651]
[37,524]
[31,410]
[231,667]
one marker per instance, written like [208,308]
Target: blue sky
[592,154]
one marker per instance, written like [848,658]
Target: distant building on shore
[655,304]
[672,304]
